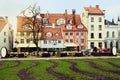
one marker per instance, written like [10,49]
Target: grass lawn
[9,69]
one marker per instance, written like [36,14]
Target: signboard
[114,51]
[3,52]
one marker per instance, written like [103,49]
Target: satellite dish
[114,51]
[3,52]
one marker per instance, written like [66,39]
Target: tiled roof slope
[56,33]
[2,23]
[94,10]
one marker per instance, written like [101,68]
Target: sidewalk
[60,58]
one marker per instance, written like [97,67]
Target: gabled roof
[94,10]
[56,33]
[107,22]
[53,17]
[2,23]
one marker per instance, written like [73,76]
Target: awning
[22,45]
[70,44]
[33,45]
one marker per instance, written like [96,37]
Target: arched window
[113,34]
[61,21]
[107,34]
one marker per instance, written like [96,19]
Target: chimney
[97,6]
[66,16]
[6,19]
[73,16]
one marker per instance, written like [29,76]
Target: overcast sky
[12,8]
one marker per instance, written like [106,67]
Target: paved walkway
[52,58]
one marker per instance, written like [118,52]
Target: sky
[12,8]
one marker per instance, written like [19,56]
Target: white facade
[112,35]
[95,25]
[6,37]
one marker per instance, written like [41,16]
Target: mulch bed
[18,63]
[96,76]
[24,73]
[58,75]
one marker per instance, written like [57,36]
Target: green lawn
[9,70]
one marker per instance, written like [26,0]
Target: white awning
[70,44]
[33,45]
[22,45]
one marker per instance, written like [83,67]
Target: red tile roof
[54,31]
[94,10]
[2,24]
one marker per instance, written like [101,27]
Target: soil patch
[58,75]
[24,73]
[113,64]
[97,77]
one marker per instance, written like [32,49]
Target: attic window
[60,21]
[45,21]
[48,34]
[56,34]
[28,27]
[69,26]
[80,26]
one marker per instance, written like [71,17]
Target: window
[71,40]
[82,33]
[45,41]
[60,21]
[22,40]
[100,19]
[28,40]
[77,40]
[22,34]
[28,33]
[113,34]
[59,41]
[4,40]
[100,27]
[92,35]
[92,44]
[92,19]
[100,44]
[82,40]
[66,40]
[69,26]
[4,33]
[77,33]
[80,26]
[100,35]
[107,34]
[66,34]
[92,27]
[28,27]
[71,34]
[44,21]
[48,34]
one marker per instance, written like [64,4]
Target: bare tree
[34,20]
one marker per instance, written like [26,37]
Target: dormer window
[69,26]
[45,21]
[80,26]
[71,21]
[60,21]
[28,27]
[49,34]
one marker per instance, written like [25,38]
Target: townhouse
[93,19]
[58,31]
[112,34]
[6,34]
